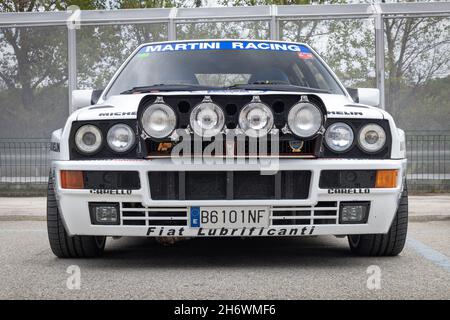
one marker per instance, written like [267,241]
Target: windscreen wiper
[168,87]
[271,82]
[275,85]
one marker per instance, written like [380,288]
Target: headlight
[372,138]
[207,119]
[158,120]
[120,137]
[88,139]
[305,119]
[339,137]
[256,119]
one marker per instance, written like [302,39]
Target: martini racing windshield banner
[224,45]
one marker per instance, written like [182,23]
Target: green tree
[33,61]
[417,51]
[347,45]
[50,5]
[133,4]
[28,48]
[33,71]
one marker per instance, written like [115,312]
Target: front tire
[63,245]
[389,244]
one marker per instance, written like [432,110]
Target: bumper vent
[323,213]
[229,185]
[134,214]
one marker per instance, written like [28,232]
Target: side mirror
[369,96]
[84,98]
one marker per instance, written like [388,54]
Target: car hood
[125,106]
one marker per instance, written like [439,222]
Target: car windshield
[224,65]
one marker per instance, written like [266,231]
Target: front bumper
[75,211]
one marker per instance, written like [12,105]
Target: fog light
[104,213]
[354,212]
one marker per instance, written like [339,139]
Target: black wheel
[389,244]
[63,245]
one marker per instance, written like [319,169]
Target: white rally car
[227,138]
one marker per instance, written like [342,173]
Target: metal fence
[428,161]
[26,162]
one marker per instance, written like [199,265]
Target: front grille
[134,214]
[229,185]
[323,213]
[205,185]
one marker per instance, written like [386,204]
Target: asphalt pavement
[225,268]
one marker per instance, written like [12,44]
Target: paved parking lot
[263,268]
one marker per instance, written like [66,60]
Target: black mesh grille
[111,180]
[253,185]
[206,185]
[347,179]
[231,185]
[164,185]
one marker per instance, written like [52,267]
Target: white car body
[73,204]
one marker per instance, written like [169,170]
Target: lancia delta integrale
[224,138]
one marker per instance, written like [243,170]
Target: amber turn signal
[71,179]
[386,179]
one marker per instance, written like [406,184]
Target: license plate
[229,217]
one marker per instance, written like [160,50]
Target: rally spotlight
[256,119]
